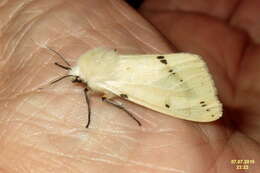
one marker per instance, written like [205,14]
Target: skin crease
[42,130]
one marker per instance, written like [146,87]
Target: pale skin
[42,130]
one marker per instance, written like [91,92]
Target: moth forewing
[177,84]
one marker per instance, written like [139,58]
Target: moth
[176,84]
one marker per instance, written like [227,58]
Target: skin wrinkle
[91,38]
[70,31]
[107,154]
[151,148]
[23,79]
[116,21]
[53,161]
[12,52]
[78,34]
[92,26]
[21,107]
[12,113]
[123,144]
[127,132]
[204,135]
[139,40]
[234,11]
[128,138]
[244,50]
[105,161]
[3,2]
[44,65]
[214,161]
[19,8]
[26,29]
[14,14]
[134,163]
[119,124]
[154,166]
[238,72]
[115,132]
[230,76]
[8,120]
[253,139]
[116,7]
[218,156]
[16,96]
[16,35]
[110,150]
[33,77]
[27,121]
[107,38]
[19,126]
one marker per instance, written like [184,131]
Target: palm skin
[42,130]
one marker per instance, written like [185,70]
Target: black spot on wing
[202,104]
[164,61]
[171,72]
[167,106]
[160,57]
[124,96]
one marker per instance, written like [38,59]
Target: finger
[221,9]
[246,17]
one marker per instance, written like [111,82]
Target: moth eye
[77,79]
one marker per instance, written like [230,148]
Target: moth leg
[88,104]
[120,107]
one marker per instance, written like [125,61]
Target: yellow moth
[176,84]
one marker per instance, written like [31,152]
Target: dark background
[134,3]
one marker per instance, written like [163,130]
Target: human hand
[43,130]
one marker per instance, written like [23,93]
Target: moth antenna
[59,79]
[62,66]
[59,55]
